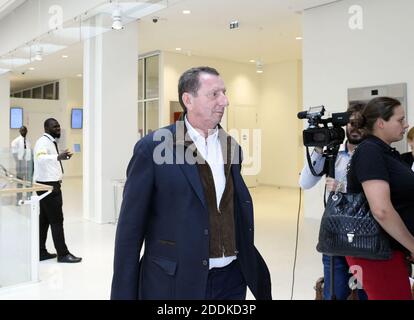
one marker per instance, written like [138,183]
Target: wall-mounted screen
[77,118]
[16,117]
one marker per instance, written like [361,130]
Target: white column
[4,111]
[110,117]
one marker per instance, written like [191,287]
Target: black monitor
[76,118]
[16,117]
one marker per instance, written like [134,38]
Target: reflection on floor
[276,212]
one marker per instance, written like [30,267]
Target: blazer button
[206,232]
[205,262]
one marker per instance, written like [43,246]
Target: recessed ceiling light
[259,71]
[299,38]
[186,11]
[178,49]
[65,56]
[32,68]
[252,61]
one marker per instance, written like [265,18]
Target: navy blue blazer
[164,205]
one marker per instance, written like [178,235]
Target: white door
[246,134]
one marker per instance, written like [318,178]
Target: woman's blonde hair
[410,135]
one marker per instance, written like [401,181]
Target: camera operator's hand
[65,155]
[331,184]
[318,150]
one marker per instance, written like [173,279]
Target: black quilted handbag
[349,229]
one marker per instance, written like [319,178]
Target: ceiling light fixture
[32,68]
[38,54]
[65,56]
[252,61]
[299,38]
[79,75]
[186,12]
[117,19]
[259,66]
[178,49]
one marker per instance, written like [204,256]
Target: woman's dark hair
[356,107]
[189,81]
[381,107]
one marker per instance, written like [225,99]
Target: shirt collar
[195,135]
[344,147]
[382,144]
[49,136]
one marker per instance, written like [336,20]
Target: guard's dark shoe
[46,256]
[69,258]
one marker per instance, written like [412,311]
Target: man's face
[23,132]
[354,135]
[54,129]
[207,107]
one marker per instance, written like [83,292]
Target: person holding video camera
[309,180]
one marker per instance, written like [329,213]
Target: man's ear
[188,100]
[380,123]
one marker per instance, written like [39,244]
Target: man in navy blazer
[185,197]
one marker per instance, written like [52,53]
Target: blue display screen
[77,119]
[16,117]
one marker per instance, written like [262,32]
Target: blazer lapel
[181,146]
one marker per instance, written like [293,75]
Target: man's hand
[65,155]
[331,184]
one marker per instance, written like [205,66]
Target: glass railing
[19,224]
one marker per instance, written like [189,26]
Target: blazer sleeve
[132,223]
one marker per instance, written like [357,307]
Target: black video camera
[320,133]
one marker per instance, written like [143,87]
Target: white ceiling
[7,6]
[267,31]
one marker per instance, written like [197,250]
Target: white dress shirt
[210,150]
[46,165]
[19,150]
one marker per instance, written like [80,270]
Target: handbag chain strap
[341,183]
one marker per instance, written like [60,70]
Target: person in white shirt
[48,170]
[22,153]
[308,180]
[193,210]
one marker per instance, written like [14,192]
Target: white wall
[111,126]
[71,94]
[4,110]
[280,101]
[336,58]
[36,111]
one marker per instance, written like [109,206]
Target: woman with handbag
[388,184]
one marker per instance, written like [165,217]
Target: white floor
[276,213]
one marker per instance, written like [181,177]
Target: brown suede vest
[222,231]
[222,237]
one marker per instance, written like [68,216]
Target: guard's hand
[65,155]
[331,184]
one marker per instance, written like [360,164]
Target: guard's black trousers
[51,214]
